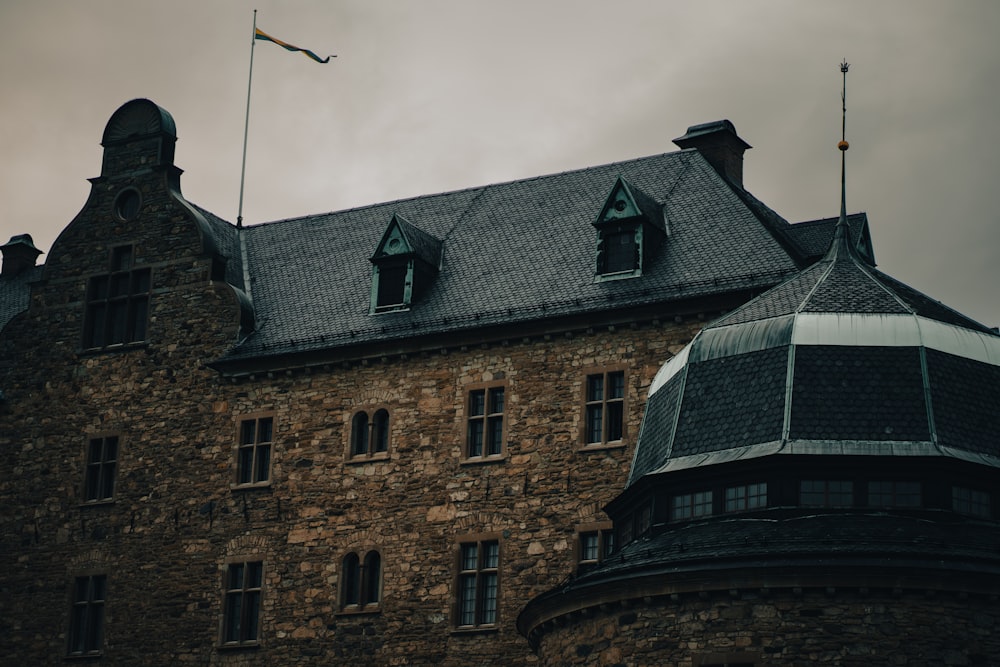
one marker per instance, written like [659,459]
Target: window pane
[489,614]
[351,581]
[359,434]
[589,546]
[491,555]
[467,599]
[470,556]
[245,465]
[595,387]
[495,435]
[263,463]
[616,385]
[251,613]
[595,423]
[232,613]
[477,403]
[476,438]
[615,421]
[620,252]
[264,431]
[496,400]
[247,431]
[391,285]
[381,431]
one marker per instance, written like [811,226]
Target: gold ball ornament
[843,145]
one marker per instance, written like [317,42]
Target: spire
[842,233]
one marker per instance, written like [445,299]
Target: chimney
[720,145]
[19,255]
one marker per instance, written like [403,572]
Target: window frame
[372,429]
[392,270]
[240,447]
[603,404]
[229,592]
[106,469]
[896,491]
[83,614]
[102,303]
[976,503]
[832,498]
[749,497]
[360,589]
[604,537]
[486,418]
[694,508]
[484,616]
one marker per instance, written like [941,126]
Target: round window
[127,204]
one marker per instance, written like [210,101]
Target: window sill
[476,630]
[367,610]
[252,486]
[93,655]
[117,347]
[603,446]
[364,458]
[106,502]
[483,460]
[254,645]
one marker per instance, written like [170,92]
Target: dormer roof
[402,238]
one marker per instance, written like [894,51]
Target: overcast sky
[435,95]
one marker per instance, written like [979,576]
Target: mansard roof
[514,252]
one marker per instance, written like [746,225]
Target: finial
[843,146]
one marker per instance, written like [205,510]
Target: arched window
[361,582]
[350,580]
[359,434]
[380,431]
[371,588]
[369,436]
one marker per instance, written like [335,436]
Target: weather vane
[843,145]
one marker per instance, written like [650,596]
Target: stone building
[389,434]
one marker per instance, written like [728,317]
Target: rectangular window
[621,252]
[485,433]
[604,412]
[971,502]
[241,604]
[253,458]
[86,628]
[596,545]
[826,493]
[478,583]
[102,459]
[894,494]
[746,497]
[117,303]
[392,286]
[691,506]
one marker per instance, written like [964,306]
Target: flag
[260,34]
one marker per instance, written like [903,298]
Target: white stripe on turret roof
[847,329]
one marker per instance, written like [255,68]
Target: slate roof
[512,253]
[15,292]
[797,543]
[838,356]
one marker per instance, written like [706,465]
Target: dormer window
[404,265]
[630,228]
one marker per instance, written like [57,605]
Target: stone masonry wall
[175,521]
[841,629]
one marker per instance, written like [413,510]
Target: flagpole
[246,123]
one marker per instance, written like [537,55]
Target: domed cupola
[840,359]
